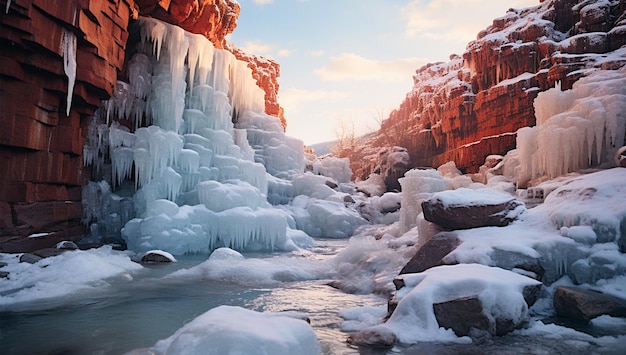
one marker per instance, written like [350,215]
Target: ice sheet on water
[235,330]
[64,278]
[226,264]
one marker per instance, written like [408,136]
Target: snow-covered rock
[470,208]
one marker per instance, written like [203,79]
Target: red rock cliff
[40,144]
[471,106]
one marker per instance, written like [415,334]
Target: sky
[346,64]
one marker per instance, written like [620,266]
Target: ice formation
[208,165]
[417,186]
[576,128]
[68,49]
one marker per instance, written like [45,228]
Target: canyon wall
[50,48]
[472,106]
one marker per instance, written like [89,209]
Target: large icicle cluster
[576,129]
[200,181]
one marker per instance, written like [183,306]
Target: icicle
[8,5]
[200,57]
[68,48]
[122,164]
[172,182]
[154,30]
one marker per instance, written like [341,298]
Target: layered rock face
[49,49]
[470,107]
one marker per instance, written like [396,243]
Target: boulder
[464,209]
[157,256]
[581,304]
[432,253]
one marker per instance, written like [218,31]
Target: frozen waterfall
[188,126]
[576,128]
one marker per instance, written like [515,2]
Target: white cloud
[283,53]
[262,2]
[459,20]
[350,66]
[317,53]
[264,49]
[256,47]
[293,99]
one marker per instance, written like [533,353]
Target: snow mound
[235,330]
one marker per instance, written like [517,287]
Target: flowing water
[134,315]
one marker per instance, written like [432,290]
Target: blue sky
[347,63]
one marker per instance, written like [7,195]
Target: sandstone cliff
[50,48]
[471,106]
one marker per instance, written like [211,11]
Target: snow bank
[235,330]
[65,278]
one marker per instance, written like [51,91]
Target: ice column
[417,186]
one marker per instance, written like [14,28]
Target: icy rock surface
[576,128]
[235,330]
[203,155]
[577,232]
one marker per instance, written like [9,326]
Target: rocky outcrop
[212,18]
[470,107]
[41,139]
[265,72]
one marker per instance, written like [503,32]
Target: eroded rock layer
[41,140]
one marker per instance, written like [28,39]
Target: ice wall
[191,148]
[576,128]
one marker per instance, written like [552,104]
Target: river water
[135,315]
